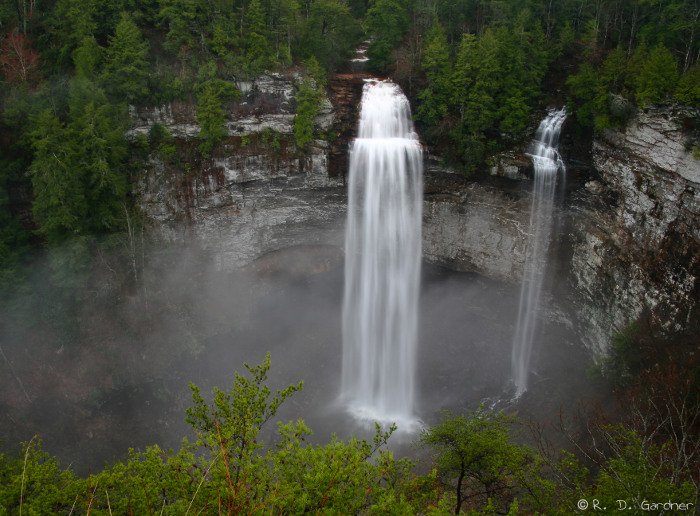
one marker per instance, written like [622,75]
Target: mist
[95,362]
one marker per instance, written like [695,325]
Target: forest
[477,73]
[474,69]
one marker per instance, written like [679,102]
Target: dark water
[123,381]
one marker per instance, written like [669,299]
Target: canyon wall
[636,230]
[258,193]
[629,240]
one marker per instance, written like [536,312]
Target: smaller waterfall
[547,163]
[382,262]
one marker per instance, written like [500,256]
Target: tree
[77,172]
[688,90]
[386,23]
[328,33]
[436,65]
[308,101]
[87,57]
[657,77]
[259,54]
[125,72]
[71,22]
[475,456]
[210,112]
[186,24]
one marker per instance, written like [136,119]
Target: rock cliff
[628,241]
[637,229]
[258,193]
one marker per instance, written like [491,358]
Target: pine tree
[210,113]
[126,62]
[77,172]
[60,207]
[259,52]
[688,90]
[657,77]
[436,65]
[386,23]
[87,57]
[307,99]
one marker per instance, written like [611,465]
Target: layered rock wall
[474,227]
[258,193]
[632,240]
[637,229]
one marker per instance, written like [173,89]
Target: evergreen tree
[186,22]
[435,97]
[125,72]
[258,53]
[657,77]
[210,113]
[86,58]
[71,22]
[688,90]
[77,172]
[307,99]
[386,23]
[328,33]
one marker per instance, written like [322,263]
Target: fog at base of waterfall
[382,264]
[547,165]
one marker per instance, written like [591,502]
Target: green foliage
[87,57]
[13,239]
[125,72]
[386,23]
[308,99]
[259,54]
[481,100]
[474,455]
[637,472]
[230,468]
[657,77]
[436,64]
[328,32]
[71,22]
[210,112]
[77,172]
[235,474]
[161,141]
[688,89]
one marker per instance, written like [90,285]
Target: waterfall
[547,163]
[382,264]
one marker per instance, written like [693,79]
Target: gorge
[260,233]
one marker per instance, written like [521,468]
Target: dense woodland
[476,71]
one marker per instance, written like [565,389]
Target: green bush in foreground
[229,470]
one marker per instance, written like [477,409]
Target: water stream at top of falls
[547,164]
[382,263]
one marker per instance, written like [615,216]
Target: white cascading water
[382,263]
[547,164]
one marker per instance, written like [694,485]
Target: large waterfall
[382,265]
[547,164]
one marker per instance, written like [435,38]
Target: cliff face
[474,227]
[628,241]
[258,193]
[637,229]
